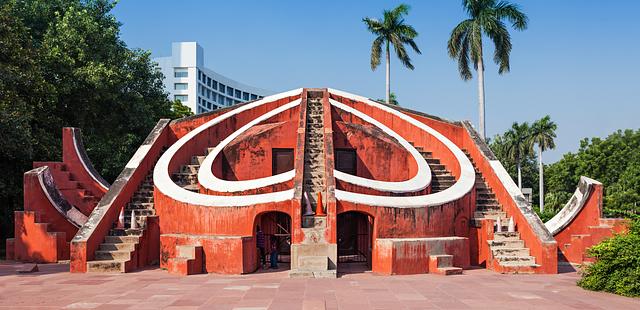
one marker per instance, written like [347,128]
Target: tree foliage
[617,266]
[486,17]
[614,161]
[62,63]
[392,30]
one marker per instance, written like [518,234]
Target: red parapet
[579,225]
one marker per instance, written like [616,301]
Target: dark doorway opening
[355,231]
[276,228]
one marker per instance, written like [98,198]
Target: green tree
[465,43]
[617,266]
[391,30]
[180,110]
[528,166]
[63,63]
[392,99]
[543,133]
[517,146]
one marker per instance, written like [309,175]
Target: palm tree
[517,145]
[485,16]
[543,132]
[392,31]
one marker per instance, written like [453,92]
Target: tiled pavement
[53,288]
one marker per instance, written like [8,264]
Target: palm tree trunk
[519,176]
[388,90]
[541,177]
[483,132]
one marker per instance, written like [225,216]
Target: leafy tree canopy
[63,63]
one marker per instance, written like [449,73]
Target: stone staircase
[508,252]
[313,177]
[443,265]
[312,257]
[118,251]
[441,178]
[187,176]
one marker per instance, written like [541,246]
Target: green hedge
[617,266]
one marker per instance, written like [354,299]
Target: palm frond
[376,52]
[502,41]
[401,52]
[511,12]
[463,59]
[457,36]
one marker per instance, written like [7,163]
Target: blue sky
[578,61]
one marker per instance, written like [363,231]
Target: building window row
[223,89]
[180,86]
[181,72]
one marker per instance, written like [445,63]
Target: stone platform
[53,287]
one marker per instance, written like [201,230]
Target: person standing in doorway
[274,253]
[260,245]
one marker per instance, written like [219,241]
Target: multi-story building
[201,89]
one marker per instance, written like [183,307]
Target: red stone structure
[324,177]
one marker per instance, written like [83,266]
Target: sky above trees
[577,61]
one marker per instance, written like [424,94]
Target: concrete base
[314,260]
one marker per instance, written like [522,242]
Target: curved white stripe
[163,182]
[420,181]
[86,168]
[207,179]
[461,187]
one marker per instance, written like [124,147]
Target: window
[198,110]
[238,94]
[214,85]
[202,89]
[282,160]
[199,75]
[220,99]
[229,91]
[208,93]
[180,86]
[222,88]
[209,105]
[254,97]
[182,98]
[236,101]
[346,160]
[245,96]
[229,101]
[180,72]
[209,81]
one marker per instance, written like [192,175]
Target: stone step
[524,252]
[507,243]
[126,231]
[490,214]
[139,212]
[505,235]
[197,160]
[523,260]
[113,255]
[122,239]
[139,205]
[106,266]
[117,247]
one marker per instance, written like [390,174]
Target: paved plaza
[54,288]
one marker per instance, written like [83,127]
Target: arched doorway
[355,241]
[276,228]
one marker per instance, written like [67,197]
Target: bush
[617,266]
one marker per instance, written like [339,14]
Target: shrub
[617,266]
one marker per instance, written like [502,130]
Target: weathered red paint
[587,229]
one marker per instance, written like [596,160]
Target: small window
[202,90]
[229,101]
[181,72]
[180,86]
[220,99]
[282,161]
[254,97]
[238,94]
[346,161]
[182,98]
[209,105]
[236,101]
[214,85]
[229,91]
[245,96]
[222,88]
[209,81]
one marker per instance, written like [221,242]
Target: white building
[201,89]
